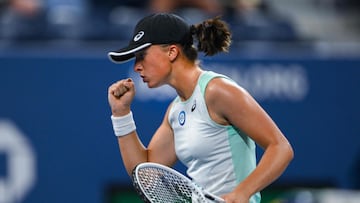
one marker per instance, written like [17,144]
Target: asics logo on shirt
[193,107]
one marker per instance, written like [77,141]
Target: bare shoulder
[220,89]
[225,97]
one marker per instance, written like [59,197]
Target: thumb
[129,84]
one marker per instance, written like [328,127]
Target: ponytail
[213,36]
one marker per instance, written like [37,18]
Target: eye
[140,55]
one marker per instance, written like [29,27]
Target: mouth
[143,78]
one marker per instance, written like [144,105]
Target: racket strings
[164,187]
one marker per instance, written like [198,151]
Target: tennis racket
[156,183]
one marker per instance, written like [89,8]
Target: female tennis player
[212,126]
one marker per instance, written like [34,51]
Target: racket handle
[214,198]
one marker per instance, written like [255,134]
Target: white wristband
[123,125]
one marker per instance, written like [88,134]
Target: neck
[185,81]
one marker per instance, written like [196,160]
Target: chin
[149,85]
[153,85]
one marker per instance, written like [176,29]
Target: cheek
[158,74]
[158,63]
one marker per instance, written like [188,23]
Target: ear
[173,52]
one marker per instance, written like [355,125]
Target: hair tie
[192,29]
[207,25]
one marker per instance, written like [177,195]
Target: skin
[227,104]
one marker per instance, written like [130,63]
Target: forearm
[132,151]
[120,96]
[272,164]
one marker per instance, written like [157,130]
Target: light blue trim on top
[206,77]
[242,146]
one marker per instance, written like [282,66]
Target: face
[153,65]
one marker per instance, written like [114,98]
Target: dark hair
[212,36]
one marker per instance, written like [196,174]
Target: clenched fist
[120,96]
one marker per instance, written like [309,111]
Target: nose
[138,67]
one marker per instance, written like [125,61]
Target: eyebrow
[140,55]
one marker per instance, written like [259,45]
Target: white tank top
[217,157]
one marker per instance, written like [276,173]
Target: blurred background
[300,59]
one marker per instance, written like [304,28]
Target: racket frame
[194,187]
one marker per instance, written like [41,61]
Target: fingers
[119,91]
[119,88]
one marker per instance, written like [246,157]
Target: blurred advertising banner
[57,143]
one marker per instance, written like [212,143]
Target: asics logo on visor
[139,35]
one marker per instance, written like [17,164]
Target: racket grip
[214,198]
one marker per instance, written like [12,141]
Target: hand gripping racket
[156,183]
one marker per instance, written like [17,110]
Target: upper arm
[231,104]
[161,148]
